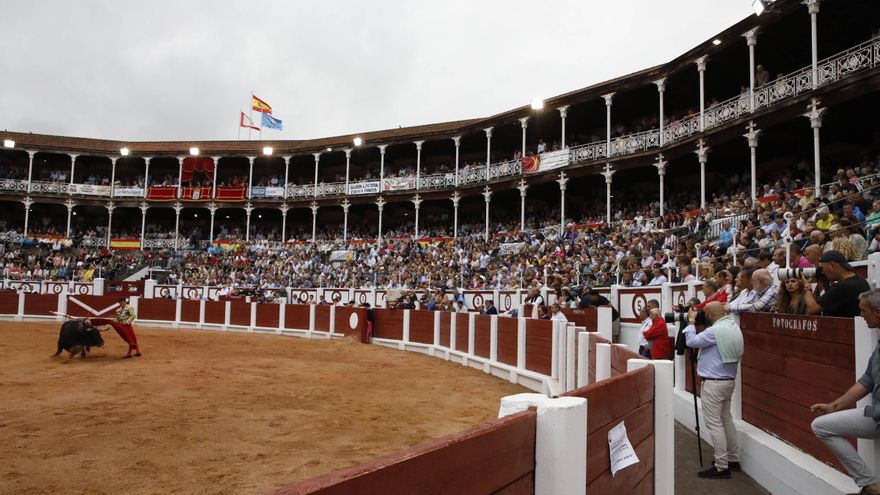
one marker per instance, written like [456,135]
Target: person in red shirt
[710,290]
[658,335]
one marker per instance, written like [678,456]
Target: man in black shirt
[592,298]
[842,298]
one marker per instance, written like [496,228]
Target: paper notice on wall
[622,453]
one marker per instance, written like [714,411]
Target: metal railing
[437,181]
[13,185]
[49,187]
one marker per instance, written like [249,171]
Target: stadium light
[537,104]
[194,151]
[759,7]
[195,215]
[268,151]
[716,42]
[8,143]
[124,151]
[358,141]
[329,150]
[260,215]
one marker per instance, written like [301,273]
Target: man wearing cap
[842,297]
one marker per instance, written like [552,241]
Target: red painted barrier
[268,315]
[189,310]
[388,324]
[482,331]
[421,326]
[240,313]
[493,458]
[160,310]
[507,340]
[629,398]
[539,345]
[85,305]
[215,312]
[40,304]
[8,302]
[296,316]
[462,322]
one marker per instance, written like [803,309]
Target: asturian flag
[271,122]
[247,123]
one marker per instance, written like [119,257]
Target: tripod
[693,355]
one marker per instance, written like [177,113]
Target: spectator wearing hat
[841,299]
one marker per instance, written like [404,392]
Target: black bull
[77,336]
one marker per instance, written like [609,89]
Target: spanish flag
[260,105]
[125,243]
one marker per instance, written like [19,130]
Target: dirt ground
[215,412]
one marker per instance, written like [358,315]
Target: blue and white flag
[271,122]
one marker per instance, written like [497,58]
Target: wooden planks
[539,345]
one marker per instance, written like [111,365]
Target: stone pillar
[608,99]
[347,167]
[752,137]
[661,171]
[813,9]
[247,223]
[314,207]
[418,164]
[701,68]
[317,161]
[417,201]
[72,169]
[147,175]
[380,203]
[608,173]
[488,132]
[143,209]
[661,89]
[524,124]
[113,176]
[30,167]
[110,207]
[814,113]
[70,204]
[751,37]
[250,175]
[562,180]
[180,160]
[27,213]
[382,164]
[345,206]
[284,208]
[487,193]
[563,113]
[456,197]
[523,187]
[457,141]
[702,155]
[214,181]
[286,174]
[177,209]
[212,209]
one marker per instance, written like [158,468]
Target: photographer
[721,349]
[841,298]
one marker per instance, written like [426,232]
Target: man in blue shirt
[721,349]
[837,422]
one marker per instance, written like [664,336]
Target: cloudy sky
[181,70]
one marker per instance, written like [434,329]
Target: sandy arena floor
[212,412]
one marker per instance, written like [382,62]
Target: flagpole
[240,113]
[251,114]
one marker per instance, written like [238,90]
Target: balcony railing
[588,152]
[634,143]
[300,190]
[331,189]
[13,185]
[472,175]
[49,187]
[508,168]
[437,181]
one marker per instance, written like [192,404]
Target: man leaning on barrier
[721,349]
[837,422]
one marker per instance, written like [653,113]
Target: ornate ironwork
[50,187]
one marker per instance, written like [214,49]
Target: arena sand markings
[214,412]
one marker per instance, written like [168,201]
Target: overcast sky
[181,70]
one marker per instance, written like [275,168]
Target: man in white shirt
[659,278]
[557,313]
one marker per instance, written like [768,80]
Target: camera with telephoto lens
[680,316]
[784,274]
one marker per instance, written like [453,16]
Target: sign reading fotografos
[364,187]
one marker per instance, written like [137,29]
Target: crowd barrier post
[149,288]
[557,365]
[666,301]
[227,312]
[177,310]
[202,312]
[332,325]
[570,356]
[560,441]
[62,305]
[583,359]
[680,363]
[664,423]
[865,342]
[98,286]
[521,343]
[493,338]
[603,362]
[614,296]
[312,310]
[692,289]
[436,340]
[405,338]
[281,316]
[605,319]
[874,270]
[472,325]
[452,333]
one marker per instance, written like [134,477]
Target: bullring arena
[480,306]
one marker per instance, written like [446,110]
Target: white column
[524,123]
[147,175]
[381,164]
[813,9]
[814,113]
[457,141]
[250,174]
[487,193]
[70,204]
[380,203]
[751,40]
[661,171]
[72,168]
[177,209]
[562,180]
[347,167]
[180,160]
[286,174]
[144,209]
[608,99]
[345,206]
[30,167]
[212,209]
[456,197]
[488,132]
[247,212]
[418,164]
[522,207]
[317,161]
[314,207]
[27,212]
[113,176]
[752,137]
[701,68]
[417,201]
[214,182]
[109,222]
[661,88]
[608,173]
[284,208]
[563,113]
[702,155]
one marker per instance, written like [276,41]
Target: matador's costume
[125,316]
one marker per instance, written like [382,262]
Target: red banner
[531,164]
[200,164]
[162,193]
[231,193]
[199,193]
